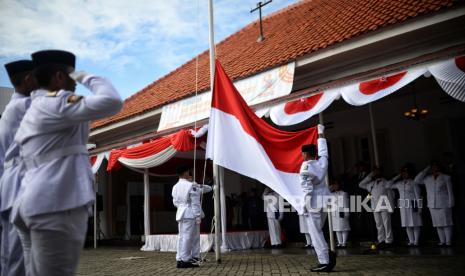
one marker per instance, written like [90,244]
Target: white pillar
[332,244]
[146,204]
[373,135]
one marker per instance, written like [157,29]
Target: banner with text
[259,88]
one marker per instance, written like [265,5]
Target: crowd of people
[380,194]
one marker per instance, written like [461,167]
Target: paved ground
[131,261]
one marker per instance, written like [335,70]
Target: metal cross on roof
[259,8]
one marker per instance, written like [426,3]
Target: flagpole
[330,219]
[216,186]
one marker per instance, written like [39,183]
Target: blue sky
[132,42]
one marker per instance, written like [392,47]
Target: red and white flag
[242,142]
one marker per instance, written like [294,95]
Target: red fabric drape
[181,141]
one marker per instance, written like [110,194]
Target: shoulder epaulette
[52,93]
[74,99]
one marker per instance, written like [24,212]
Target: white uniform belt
[12,162]
[36,161]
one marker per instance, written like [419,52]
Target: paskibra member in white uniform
[312,173]
[410,203]
[20,74]
[440,199]
[184,193]
[382,205]
[56,192]
[274,216]
[196,202]
[340,215]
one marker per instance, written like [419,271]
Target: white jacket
[438,191]
[378,188]
[312,175]
[182,199]
[196,198]
[52,138]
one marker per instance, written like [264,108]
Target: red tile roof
[293,32]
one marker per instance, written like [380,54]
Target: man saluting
[56,192]
[312,173]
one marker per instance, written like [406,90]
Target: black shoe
[321,268]
[388,245]
[332,260]
[181,264]
[381,245]
[308,246]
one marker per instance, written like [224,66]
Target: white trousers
[186,228]
[308,238]
[342,237]
[52,243]
[383,225]
[11,249]
[313,220]
[275,231]
[445,234]
[413,234]
[196,242]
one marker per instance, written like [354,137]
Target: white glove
[321,128]
[78,76]
[198,220]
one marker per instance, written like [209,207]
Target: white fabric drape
[372,90]
[150,161]
[450,75]
[297,111]
[234,241]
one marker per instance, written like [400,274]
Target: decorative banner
[297,111]
[156,152]
[372,90]
[450,75]
[260,88]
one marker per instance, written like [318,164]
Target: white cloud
[94,29]
[120,35]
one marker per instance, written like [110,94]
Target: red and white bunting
[450,75]
[372,90]
[96,161]
[297,111]
[157,152]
